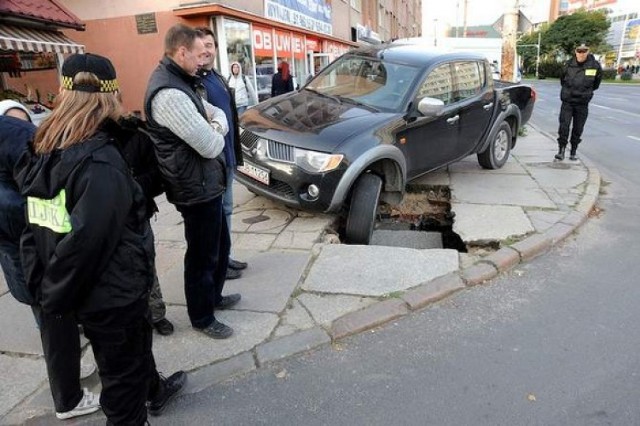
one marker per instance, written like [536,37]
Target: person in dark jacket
[87,249]
[282,82]
[188,135]
[138,151]
[219,94]
[581,75]
[16,131]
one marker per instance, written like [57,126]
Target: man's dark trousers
[578,114]
[206,259]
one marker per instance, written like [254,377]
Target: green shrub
[551,69]
[609,74]
[625,76]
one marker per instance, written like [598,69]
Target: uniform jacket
[579,80]
[15,135]
[188,177]
[87,246]
[138,151]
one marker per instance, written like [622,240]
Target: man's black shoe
[228,302]
[560,154]
[163,327]
[169,388]
[233,274]
[573,156]
[217,330]
[237,265]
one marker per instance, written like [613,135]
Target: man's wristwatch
[216,126]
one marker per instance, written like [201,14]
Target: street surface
[555,342]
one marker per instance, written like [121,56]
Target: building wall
[111,31]
[133,55]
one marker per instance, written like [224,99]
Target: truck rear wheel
[497,153]
[363,209]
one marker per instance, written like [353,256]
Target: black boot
[572,154]
[560,154]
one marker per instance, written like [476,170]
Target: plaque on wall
[146,23]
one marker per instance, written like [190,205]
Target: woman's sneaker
[90,403]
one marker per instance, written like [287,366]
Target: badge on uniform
[590,72]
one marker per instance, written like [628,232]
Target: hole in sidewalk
[425,208]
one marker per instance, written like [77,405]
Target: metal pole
[538,55]
[435,32]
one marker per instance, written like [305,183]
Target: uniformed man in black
[581,75]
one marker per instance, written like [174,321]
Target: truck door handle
[487,107]
[453,120]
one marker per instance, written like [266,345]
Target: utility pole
[509,39]
[464,19]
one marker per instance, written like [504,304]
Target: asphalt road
[555,342]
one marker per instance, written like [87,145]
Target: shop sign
[335,49]
[284,42]
[313,15]
[313,45]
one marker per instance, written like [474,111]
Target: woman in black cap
[88,252]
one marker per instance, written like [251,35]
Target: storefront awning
[34,40]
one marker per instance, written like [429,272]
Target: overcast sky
[479,12]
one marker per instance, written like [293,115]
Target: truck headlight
[317,162]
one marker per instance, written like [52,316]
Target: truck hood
[312,121]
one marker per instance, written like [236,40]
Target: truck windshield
[381,85]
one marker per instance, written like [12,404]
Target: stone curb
[367,318]
[432,291]
[379,313]
[292,344]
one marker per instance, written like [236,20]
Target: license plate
[255,172]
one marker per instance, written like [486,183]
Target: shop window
[238,36]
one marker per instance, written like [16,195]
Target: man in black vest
[581,75]
[188,135]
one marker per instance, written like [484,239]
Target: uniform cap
[98,65]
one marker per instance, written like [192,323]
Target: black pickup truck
[372,120]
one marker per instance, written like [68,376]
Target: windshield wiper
[356,102]
[337,99]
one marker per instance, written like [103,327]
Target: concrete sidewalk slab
[478,223]
[356,270]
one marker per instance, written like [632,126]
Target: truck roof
[413,53]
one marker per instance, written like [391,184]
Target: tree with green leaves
[589,27]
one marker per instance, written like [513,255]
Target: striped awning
[33,40]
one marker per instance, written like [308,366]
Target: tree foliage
[568,31]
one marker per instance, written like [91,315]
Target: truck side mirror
[430,107]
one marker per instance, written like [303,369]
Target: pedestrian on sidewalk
[581,75]
[16,132]
[188,135]
[282,81]
[220,94]
[243,91]
[138,151]
[87,249]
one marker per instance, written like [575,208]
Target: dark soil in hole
[424,209]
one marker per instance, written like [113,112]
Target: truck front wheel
[497,153]
[363,209]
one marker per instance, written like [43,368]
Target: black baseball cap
[98,65]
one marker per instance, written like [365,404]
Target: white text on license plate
[259,174]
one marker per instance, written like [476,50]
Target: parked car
[373,120]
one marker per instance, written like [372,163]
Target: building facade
[258,34]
